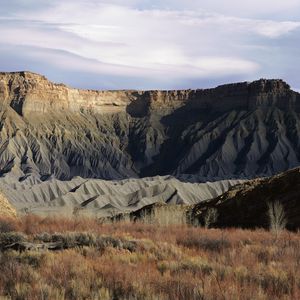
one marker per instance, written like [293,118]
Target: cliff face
[235,130]
[27,92]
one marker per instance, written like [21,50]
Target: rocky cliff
[232,131]
[28,92]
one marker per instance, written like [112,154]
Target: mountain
[241,130]
[68,150]
[246,205]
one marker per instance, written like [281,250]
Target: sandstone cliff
[28,92]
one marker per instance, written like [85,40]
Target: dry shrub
[166,215]
[32,224]
[146,261]
[210,217]
[9,238]
[7,224]
[277,216]
[85,239]
[205,243]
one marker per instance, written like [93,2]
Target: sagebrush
[146,261]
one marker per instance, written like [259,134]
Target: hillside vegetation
[142,261]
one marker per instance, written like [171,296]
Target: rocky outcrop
[238,130]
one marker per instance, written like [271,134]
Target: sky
[143,44]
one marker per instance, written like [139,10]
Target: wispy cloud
[146,40]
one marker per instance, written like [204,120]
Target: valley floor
[142,261]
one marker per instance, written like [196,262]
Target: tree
[210,217]
[277,216]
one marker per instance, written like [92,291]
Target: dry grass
[167,262]
[166,215]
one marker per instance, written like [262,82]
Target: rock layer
[28,92]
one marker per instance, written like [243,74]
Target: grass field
[139,261]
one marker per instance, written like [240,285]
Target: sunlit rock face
[29,92]
[238,130]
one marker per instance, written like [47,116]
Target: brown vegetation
[147,261]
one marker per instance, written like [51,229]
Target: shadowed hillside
[246,205]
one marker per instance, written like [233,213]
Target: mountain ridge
[241,130]
[30,92]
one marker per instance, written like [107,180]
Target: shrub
[7,225]
[168,262]
[194,266]
[166,215]
[205,243]
[44,237]
[277,217]
[84,239]
[30,258]
[8,238]
[210,217]
[104,242]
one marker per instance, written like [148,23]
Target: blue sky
[133,44]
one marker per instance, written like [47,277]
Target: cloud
[160,44]
[267,28]
[276,29]
[148,40]
[275,9]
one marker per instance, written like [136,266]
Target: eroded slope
[232,131]
[106,198]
